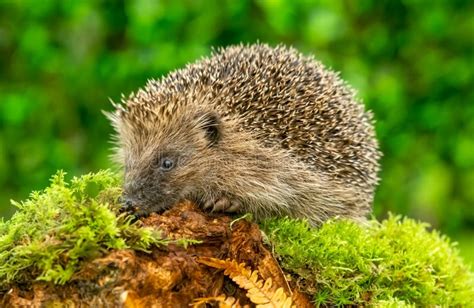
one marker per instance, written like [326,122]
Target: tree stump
[174,276]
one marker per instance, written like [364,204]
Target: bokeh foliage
[411,60]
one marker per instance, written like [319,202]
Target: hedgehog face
[170,161]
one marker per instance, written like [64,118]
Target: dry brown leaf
[260,292]
[221,300]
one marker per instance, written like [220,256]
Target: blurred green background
[412,62]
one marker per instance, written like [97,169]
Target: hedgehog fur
[252,128]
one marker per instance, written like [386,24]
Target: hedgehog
[249,129]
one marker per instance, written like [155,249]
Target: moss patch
[397,261]
[56,229]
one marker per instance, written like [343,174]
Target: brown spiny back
[285,99]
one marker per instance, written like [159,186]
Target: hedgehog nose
[127,205]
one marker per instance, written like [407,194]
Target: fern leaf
[222,300]
[260,292]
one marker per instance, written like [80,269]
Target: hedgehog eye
[166,164]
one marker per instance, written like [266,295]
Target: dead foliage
[261,292]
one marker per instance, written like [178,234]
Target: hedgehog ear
[211,124]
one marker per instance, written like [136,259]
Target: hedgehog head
[166,151]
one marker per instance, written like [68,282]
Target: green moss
[56,229]
[395,262]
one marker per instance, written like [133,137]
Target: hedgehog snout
[143,196]
[127,205]
[133,196]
